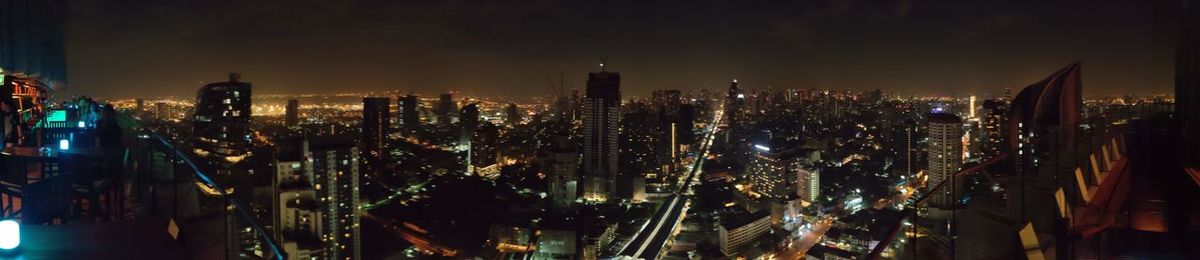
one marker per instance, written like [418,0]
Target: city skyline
[836,129]
[917,47]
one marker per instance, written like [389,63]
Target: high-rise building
[945,153]
[161,111]
[410,116]
[376,124]
[468,125]
[221,129]
[292,113]
[685,127]
[903,147]
[561,167]
[445,108]
[601,125]
[512,115]
[335,163]
[767,175]
[995,115]
[141,106]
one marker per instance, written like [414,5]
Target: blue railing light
[64,144]
[10,235]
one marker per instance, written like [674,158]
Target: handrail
[270,242]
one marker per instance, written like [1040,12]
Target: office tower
[512,115]
[468,125]
[221,129]
[375,128]
[601,123]
[903,146]
[141,106]
[161,111]
[561,166]
[971,107]
[685,124]
[735,114]
[445,108]
[995,115]
[469,122]
[767,173]
[410,116]
[292,113]
[945,154]
[808,184]
[336,177]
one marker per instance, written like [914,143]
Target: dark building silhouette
[1187,79]
[410,115]
[601,125]
[292,113]
[445,108]
[376,124]
[512,115]
[221,127]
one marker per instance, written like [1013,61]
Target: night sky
[150,48]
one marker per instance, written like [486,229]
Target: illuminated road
[658,231]
[808,239]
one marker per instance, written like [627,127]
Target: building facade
[945,154]
[601,125]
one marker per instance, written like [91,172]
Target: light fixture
[10,234]
[81,124]
[63,144]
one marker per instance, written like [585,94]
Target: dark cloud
[125,48]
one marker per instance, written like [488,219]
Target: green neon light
[57,116]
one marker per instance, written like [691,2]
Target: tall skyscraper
[468,125]
[376,124]
[141,106]
[221,129]
[995,115]
[410,117]
[685,127]
[735,111]
[945,153]
[445,108]
[336,176]
[601,125]
[292,114]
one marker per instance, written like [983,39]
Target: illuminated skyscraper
[601,125]
[221,128]
[376,124]
[336,178]
[945,152]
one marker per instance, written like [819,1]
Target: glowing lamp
[63,144]
[10,234]
[81,124]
